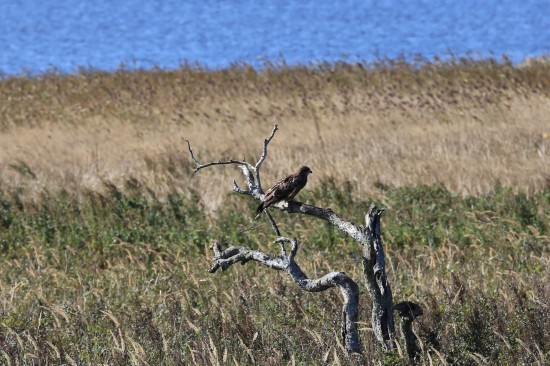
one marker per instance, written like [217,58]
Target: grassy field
[105,231]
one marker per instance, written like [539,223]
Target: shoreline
[275,64]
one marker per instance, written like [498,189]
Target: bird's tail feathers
[259,210]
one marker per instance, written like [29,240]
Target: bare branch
[251,173]
[264,155]
[273,223]
[326,214]
[253,188]
[285,262]
[293,246]
[228,257]
[200,166]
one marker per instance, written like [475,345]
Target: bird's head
[304,170]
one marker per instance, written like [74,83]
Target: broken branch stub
[223,259]
[409,311]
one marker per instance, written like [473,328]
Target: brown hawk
[285,189]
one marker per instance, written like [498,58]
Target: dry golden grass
[120,279]
[467,125]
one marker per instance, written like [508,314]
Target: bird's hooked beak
[304,170]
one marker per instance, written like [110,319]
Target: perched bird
[285,189]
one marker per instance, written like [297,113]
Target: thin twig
[273,223]
[200,166]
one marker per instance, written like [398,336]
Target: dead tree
[368,237]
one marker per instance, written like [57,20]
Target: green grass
[120,279]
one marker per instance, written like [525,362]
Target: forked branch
[285,262]
[251,172]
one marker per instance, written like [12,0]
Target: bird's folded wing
[281,188]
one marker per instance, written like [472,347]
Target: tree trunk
[374,269]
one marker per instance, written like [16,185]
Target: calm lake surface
[36,36]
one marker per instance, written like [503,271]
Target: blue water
[36,36]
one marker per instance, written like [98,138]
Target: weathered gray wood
[285,262]
[374,268]
[369,237]
[408,311]
[328,215]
